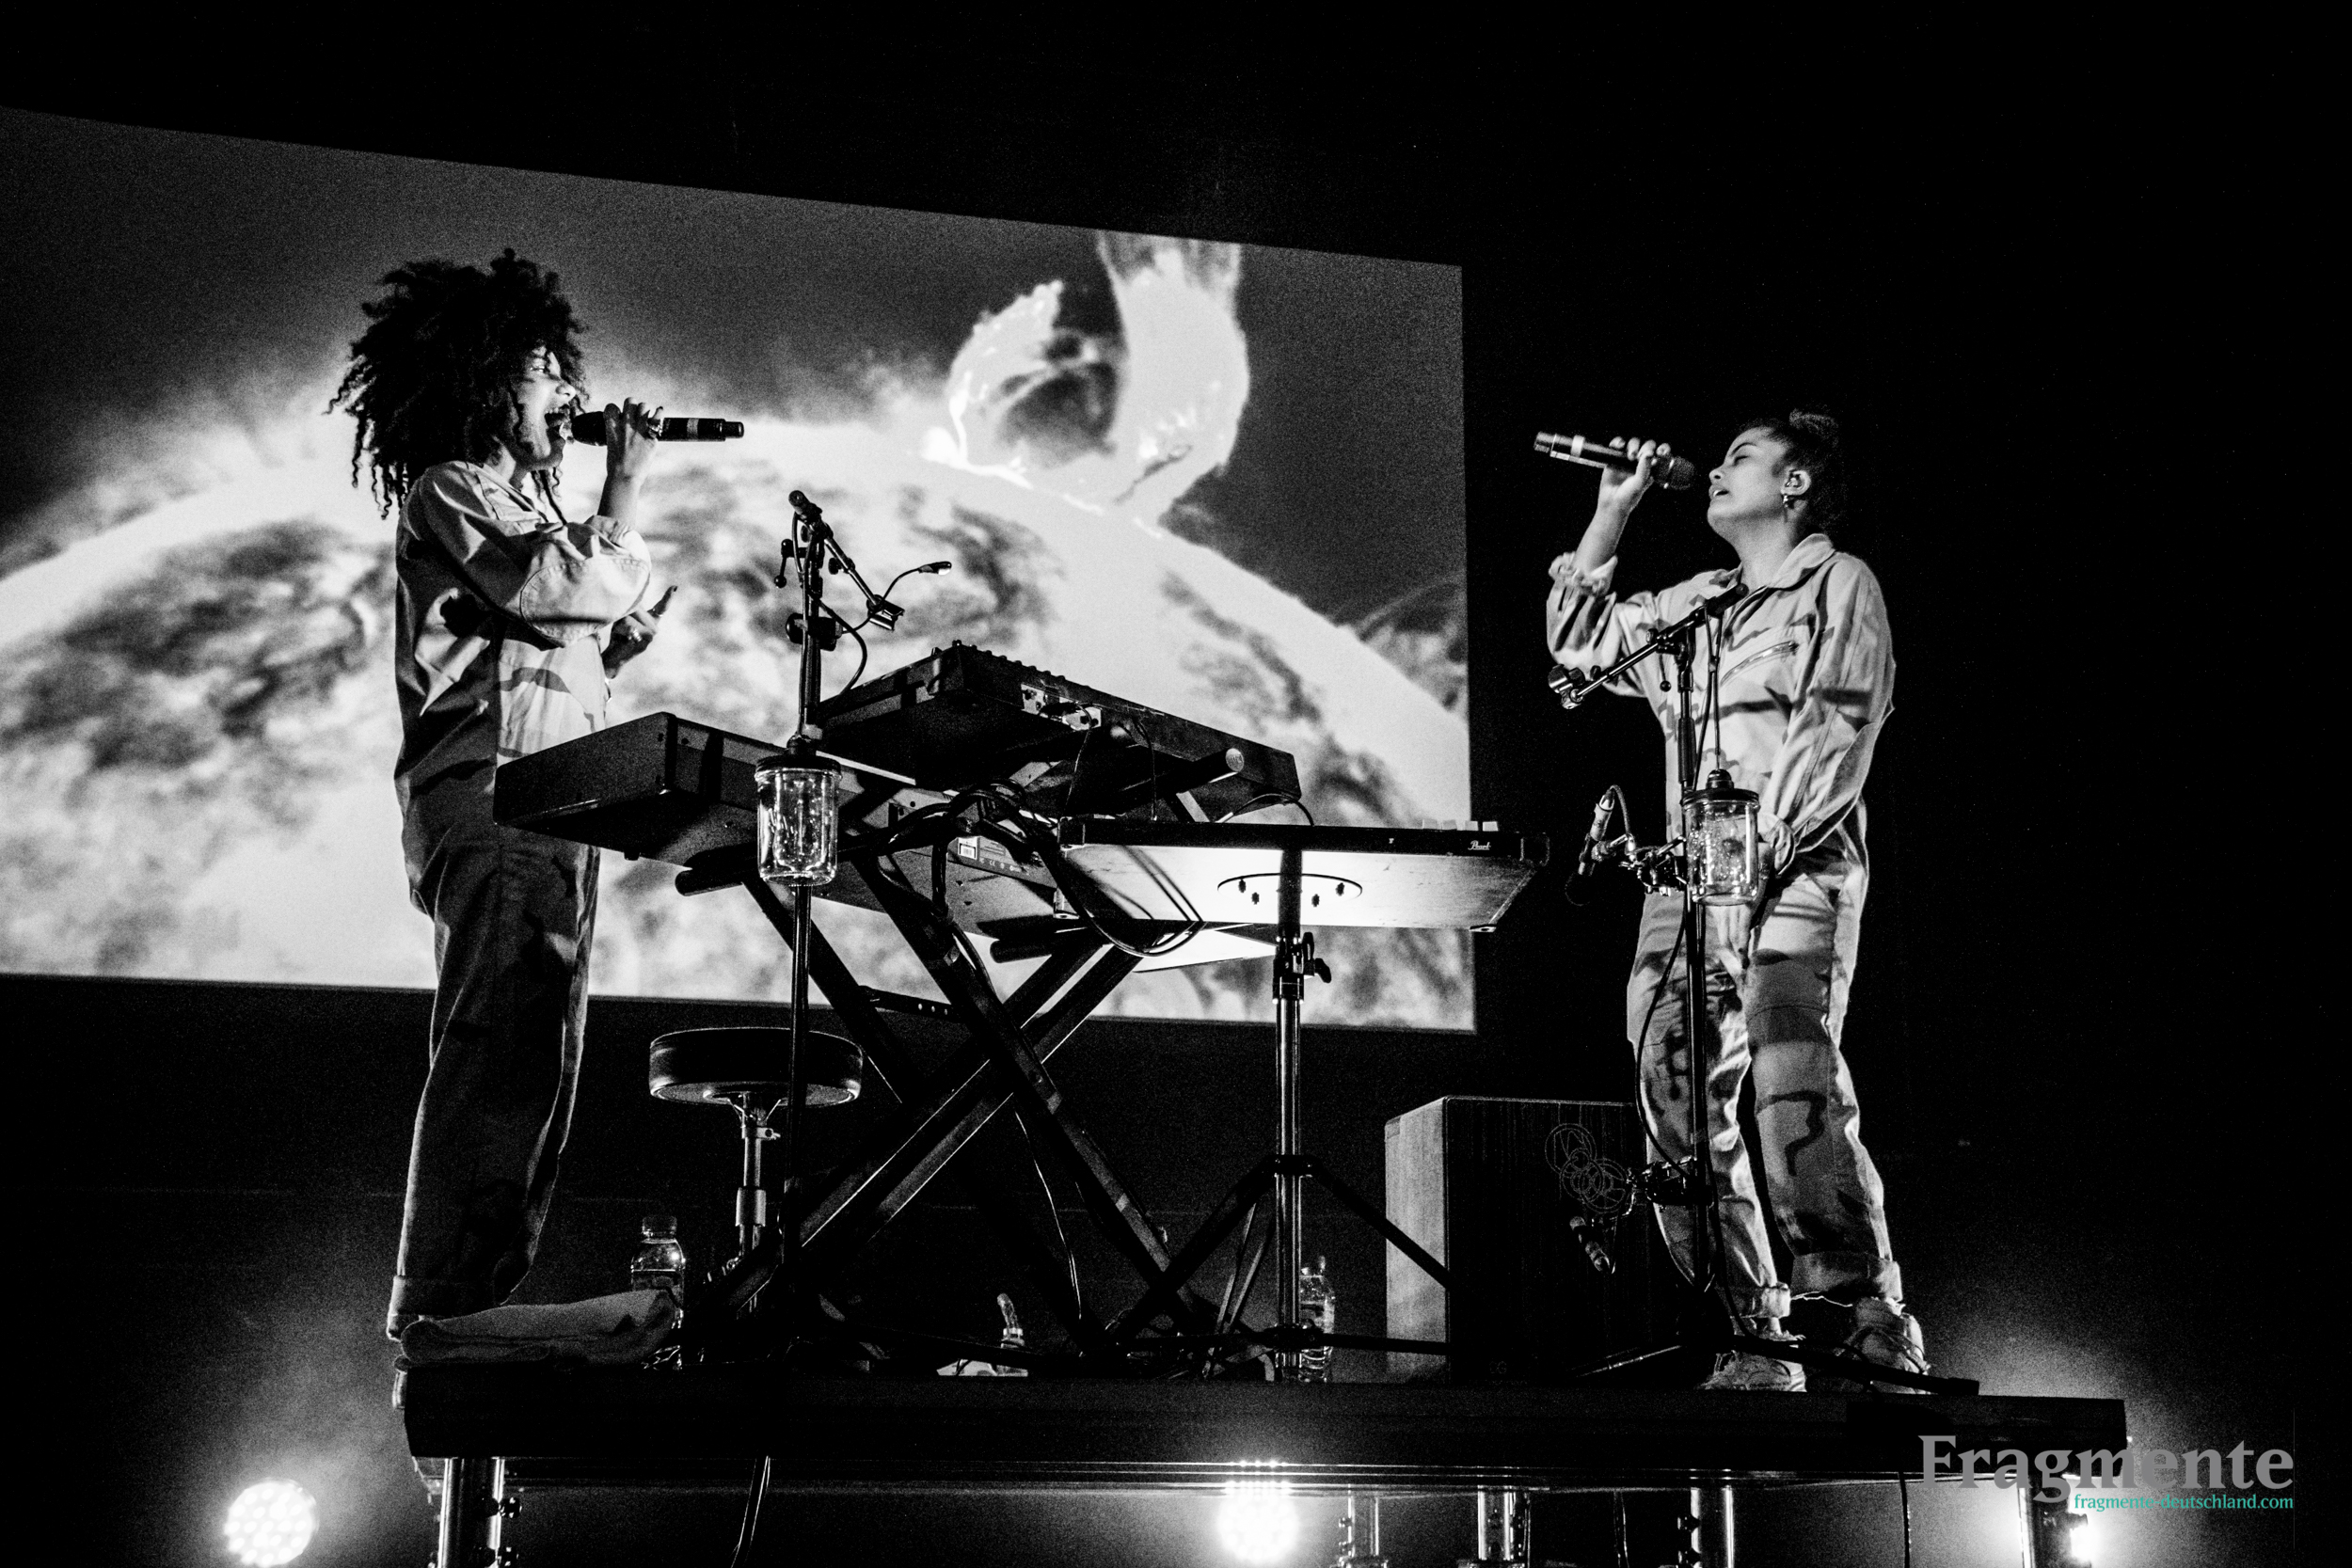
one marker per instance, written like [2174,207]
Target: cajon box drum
[1488,1186]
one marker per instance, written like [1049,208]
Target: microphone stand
[811,543]
[811,537]
[1678,644]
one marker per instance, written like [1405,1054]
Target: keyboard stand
[1002,1063]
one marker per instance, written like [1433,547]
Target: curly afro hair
[431,379]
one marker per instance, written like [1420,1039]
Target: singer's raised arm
[1587,626]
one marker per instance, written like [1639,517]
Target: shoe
[1886,1336]
[1744,1371]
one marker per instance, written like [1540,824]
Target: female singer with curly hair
[512,619]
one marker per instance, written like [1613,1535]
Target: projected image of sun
[270,1523]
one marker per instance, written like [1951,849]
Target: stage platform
[710,1426]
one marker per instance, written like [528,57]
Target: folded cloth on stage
[604,1331]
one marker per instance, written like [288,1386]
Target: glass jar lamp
[1720,838]
[799,831]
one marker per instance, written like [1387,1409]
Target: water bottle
[1014,1337]
[661,1263]
[1318,1308]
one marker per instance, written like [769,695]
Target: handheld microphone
[1675,473]
[588,429]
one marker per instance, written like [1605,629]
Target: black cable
[1714,715]
[1714,682]
[1665,978]
[1275,800]
[1053,1210]
[1033,843]
[1249,1279]
[862,655]
[750,1515]
[1151,761]
[1081,892]
[1690,1044]
[1902,1489]
[1241,1247]
[873,598]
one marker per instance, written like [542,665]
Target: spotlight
[270,1523]
[1257,1522]
[2082,1542]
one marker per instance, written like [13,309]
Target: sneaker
[1744,1371]
[1886,1336]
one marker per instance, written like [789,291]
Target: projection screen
[1218,480]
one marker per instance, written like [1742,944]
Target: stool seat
[718,1066]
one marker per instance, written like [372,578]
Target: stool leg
[751,1198]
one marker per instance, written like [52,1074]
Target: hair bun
[1816,427]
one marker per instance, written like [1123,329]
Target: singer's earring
[1788,501]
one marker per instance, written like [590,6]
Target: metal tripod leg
[473,1514]
[1290,986]
[1711,1524]
[1502,1532]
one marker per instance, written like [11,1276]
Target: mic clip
[828,630]
[1572,686]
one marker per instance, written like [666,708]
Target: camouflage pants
[1776,984]
[512,916]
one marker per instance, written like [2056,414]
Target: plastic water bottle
[1318,1308]
[661,1263]
[1014,1338]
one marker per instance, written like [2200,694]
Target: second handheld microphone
[1675,473]
[588,429]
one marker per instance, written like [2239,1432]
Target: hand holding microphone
[1643,460]
[1627,469]
[589,428]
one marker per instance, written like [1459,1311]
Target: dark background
[2052,296]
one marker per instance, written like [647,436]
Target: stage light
[270,1523]
[1257,1522]
[2082,1540]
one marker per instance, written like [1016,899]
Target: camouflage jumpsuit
[1806,681]
[503,610]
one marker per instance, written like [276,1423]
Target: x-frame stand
[1001,1064]
[1678,643]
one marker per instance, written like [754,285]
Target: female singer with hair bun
[1803,677]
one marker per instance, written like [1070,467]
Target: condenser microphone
[588,429]
[1675,473]
[1588,858]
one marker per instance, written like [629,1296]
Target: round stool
[746,1069]
[743,1066]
